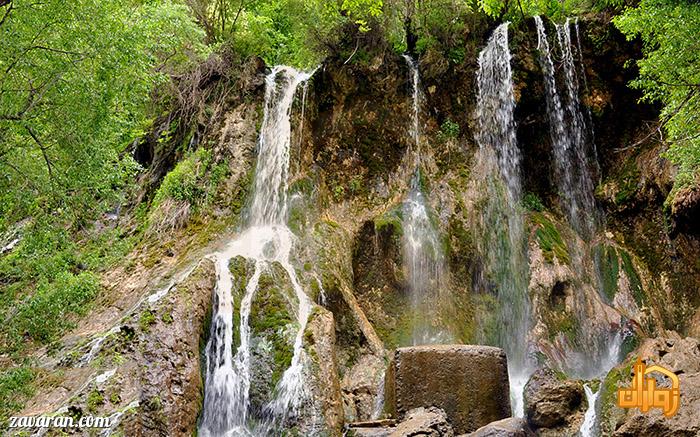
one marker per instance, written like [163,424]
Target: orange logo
[644,394]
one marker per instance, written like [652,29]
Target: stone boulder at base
[554,406]
[470,383]
[510,427]
[428,422]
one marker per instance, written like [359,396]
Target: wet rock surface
[470,383]
[171,380]
[554,406]
[677,354]
[320,344]
[360,386]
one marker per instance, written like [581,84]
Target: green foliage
[532,202]
[72,98]
[94,400]
[296,32]
[15,387]
[193,183]
[147,319]
[448,129]
[549,239]
[49,310]
[440,25]
[669,73]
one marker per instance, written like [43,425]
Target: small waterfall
[610,360]
[568,133]
[589,419]
[266,240]
[423,257]
[503,238]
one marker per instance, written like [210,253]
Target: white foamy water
[266,240]
[423,257]
[609,360]
[503,239]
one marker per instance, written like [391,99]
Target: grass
[16,386]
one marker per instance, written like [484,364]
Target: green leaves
[669,73]
[75,83]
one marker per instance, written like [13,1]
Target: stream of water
[503,236]
[266,240]
[423,257]
[568,133]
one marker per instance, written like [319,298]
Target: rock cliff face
[350,171]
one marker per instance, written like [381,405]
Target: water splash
[267,240]
[568,133]
[378,407]
[423,257]
[503,241]
[609,360]
[589,419]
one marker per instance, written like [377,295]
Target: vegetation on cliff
[76,100]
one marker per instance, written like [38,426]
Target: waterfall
[503,238]
[610,360]
[423,257]
[588,426]
[568,133]
[267,239]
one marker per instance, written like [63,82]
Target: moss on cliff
[549,239]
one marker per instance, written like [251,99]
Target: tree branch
[43,150]
[7,11]
[661,123]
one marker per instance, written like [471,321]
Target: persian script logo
[644,394]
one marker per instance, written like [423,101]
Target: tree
[75,83]
[669,73]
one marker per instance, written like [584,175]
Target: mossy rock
[272,317]
[564,323]
[608,268]
[611,263]
[549,239]
[391,221]
[609,411]
[242,270]
[633,277]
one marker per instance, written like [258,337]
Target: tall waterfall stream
[424,260]
[502,222]
[267,239]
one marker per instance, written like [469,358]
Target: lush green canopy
[669,73]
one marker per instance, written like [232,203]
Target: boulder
[325,386]
[470,383]
[554,406]
[510,427]
[428,422]
[360,386]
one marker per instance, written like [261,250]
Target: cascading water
[568,133]
[423,256]
[610,360]
[266,240]
[503,238]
